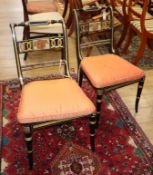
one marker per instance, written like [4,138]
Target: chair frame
[101,91]
[29,128]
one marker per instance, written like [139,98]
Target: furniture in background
[77,5]
[121,11]
[143,27]
[39,6]
[32,12]
[105,72]
[48,102]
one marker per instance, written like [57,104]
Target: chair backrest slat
[38,44]
[94,27]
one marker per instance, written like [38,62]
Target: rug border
[1,122]
[138,127]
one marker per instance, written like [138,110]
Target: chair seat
[88,2]
[148,25]
[109,70]
[49,100]
[116,22]
[119,9]
[139,9]
[52,28]
[41,7]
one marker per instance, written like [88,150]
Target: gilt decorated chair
[107,71]
[48,102]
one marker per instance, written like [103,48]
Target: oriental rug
[121,146]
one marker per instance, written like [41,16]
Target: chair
[48,102]
[105,72]
[31,31]
[121,11]
[43,6]
[76,5]
[142,28]
[35,11]
[35,7]
[40,6]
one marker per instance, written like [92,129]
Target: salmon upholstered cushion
[41,7]
[109,69]
[53,100]
[51,28]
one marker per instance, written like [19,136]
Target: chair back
[116,3]
[96,26]
[39,44]
[133,13]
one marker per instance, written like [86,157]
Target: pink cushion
[40,7]
[109,69]
[53,100]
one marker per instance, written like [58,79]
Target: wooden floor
[11,11]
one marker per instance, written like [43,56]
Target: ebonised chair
[108,71]
[48,102]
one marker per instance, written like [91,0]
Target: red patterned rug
[121,146]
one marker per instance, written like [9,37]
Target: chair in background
[142,28]
[105,72]
[44,6]
[48,102]
[31,13]
[121,11]
[35,7]
[41,10]
[39,6]
[77,5]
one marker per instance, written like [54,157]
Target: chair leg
[25,56]
[71,29]
[92,131]
[80,77]
[89,51]
[122,37]
[69,22]
[26,35]
[130,36]
[139,91]
[65,8]
[28,138]
[141,50]
[98,106]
